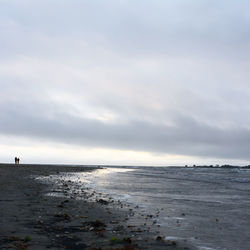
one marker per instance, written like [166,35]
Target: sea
[207,207]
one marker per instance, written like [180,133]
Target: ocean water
[208,207]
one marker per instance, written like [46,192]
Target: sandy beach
[30,219]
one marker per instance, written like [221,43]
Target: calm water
[208,207]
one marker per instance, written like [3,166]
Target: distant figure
[17,160]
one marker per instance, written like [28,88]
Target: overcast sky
[125,81]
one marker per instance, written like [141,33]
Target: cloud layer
[169,77]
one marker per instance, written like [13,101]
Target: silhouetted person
[17,160]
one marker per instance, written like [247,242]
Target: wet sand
[30,219]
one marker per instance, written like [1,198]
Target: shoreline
[32,220]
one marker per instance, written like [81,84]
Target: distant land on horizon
[135,166]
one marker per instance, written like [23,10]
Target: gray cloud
[187,136]
[163,76]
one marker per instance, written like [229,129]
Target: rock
[159,238]
[104,202]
